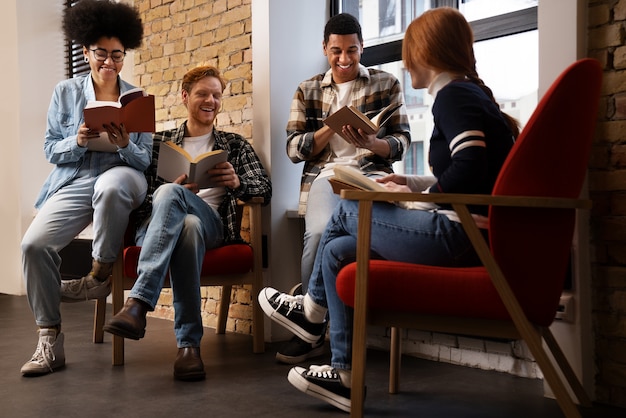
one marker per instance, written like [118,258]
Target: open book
[135,109]
[349,115]
[174,161]
[351,178]
[348,177]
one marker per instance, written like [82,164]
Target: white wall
[32,45]
[560,45]
[286,50]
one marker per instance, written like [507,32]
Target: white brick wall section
[507,357]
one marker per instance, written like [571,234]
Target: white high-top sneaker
[49,354]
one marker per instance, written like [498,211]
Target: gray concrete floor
[239,383]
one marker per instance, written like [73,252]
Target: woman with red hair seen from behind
[469,143]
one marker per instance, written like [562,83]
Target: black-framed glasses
[102,54]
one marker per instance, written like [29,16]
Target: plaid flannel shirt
[373,90]
[254,180]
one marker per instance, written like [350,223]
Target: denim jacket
[65,115]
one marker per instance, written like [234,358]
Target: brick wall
[180,35]
[185,33]
[607,183]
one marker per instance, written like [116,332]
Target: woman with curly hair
[86,186]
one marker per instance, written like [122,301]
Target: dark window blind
[75,63]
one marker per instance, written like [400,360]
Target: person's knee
[167,192]
[312,237]
[33,246]
[192,225]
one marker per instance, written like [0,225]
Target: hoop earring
[87,60]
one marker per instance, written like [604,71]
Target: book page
[131,95]
[349,115]
[101,144]
[385,114]
[171,164]
[206,162]
[91,104]
[357,179]
[174,161]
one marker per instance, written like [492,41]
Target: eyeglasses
[102,54]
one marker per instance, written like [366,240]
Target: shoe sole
[315,352]
[190,377]
[123,332]
[303,385]
[274,316]
[35,373]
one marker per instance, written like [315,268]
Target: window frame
[484,29]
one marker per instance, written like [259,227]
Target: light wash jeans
[412,236]
[182,227]
[105,200]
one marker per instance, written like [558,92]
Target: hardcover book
[135,109]
[349,115]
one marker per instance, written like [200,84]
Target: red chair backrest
[550,157]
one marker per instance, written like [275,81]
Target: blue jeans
[104,199]
[181,228]
[412,236]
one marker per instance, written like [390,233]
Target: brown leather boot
[130,321]
[188,365]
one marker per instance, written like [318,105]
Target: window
[506,49]
[75,64]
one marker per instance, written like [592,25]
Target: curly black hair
[89,20]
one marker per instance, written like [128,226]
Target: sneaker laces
[292,301]
[324,371]
[75,287]
[44,352]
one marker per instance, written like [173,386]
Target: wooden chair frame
[519,328]
[120,282]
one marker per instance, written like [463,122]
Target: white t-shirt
[343,152]
[196,145]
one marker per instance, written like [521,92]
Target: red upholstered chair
[233,264]
[515,294]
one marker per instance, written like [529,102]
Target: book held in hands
[351,178]
[134,109]
[101,143]
[350,115]
[174,161]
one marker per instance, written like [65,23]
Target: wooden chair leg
[222,310]
[258,318]
[532,337]
[565,367]
[98,320]
[117,296]
[395,356]
[359,332]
